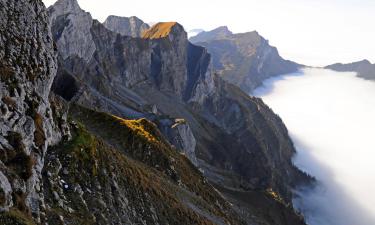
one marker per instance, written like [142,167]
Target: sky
[330,117]
[311,32]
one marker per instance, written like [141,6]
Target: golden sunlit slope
[159,30]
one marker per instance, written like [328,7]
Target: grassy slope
[152,173]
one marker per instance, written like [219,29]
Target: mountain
[131,26]
[102,128]
[245,59]
[238,142]
[62,163]
[216,34]
[363,68]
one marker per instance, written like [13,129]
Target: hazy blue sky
[313,32]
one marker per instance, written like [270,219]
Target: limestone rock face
[179,134]
[246,59]
[200,84]
[74,34]
[169,57]
[28,66]
[125,26]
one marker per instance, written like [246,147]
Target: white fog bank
[331,119]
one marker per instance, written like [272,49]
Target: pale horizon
[314,33]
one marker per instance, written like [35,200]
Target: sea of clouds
[331,119]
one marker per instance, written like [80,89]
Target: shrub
[10,102]
[6,73]
[15,217]
[39,136]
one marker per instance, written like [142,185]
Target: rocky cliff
[238,143]
[30,118]
[245,59]
[126,26]
[364,68]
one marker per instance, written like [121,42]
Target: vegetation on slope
[159,184]
[15,217]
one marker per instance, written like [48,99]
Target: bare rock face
[180,135]
[74,36]
[169,57]
[126,26]
[28,66]
[200,84]
[246,59]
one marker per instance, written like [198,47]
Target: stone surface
[74,37]
[179,134]
[28,66]
[126,26]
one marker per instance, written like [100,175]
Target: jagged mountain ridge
[244,59]
[161,77]
[364,68]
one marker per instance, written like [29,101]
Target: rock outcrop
[74,37]
[245,59]
[240,144]
[364,68]
[126,26]
[30,118]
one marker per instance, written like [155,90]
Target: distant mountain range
[245,59]
[363,68]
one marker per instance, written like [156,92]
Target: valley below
[330,117]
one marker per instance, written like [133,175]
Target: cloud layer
[331,118]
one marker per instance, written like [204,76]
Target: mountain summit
[126,26]
[162,30]
[218,33]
